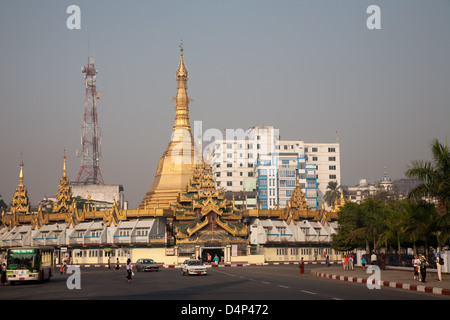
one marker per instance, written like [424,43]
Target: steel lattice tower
[90,132]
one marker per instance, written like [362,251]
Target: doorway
[208,254]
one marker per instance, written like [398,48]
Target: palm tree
[435,178]
[332,193]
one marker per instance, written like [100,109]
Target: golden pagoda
[176,166]
[64,195]
[20,202]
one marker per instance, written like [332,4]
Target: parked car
[193,267]
[146,265]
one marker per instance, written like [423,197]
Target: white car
[193,267]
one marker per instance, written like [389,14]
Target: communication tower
[90,132]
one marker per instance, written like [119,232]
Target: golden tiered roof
[203,214]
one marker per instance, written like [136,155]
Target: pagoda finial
[21,174]
[64,167]
[182,71]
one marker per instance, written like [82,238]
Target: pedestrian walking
[416,265]
[363,262]
[301,265]
[350,262]
[117,264]
[109,263]
[327,261]
[3,276]
[129,271]
[216,259]
[423,268]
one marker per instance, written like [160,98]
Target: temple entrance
[208,254]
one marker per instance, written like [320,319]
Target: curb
[391,284]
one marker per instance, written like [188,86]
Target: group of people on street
[209,258]
[420,264]
[347,261]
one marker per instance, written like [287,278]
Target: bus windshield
[23,259]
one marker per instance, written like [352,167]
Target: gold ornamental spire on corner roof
[64,166]
[21,174]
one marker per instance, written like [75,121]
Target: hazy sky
[309,68]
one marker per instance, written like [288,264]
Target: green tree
[435,178]
[332,194]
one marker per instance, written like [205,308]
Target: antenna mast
[90,132]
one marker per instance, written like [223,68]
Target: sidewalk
[400,278]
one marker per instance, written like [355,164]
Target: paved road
[253,283]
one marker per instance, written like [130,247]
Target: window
[250,174]
[229,145]
[331,158]
[331,150]
[290,183]
[262,172]
[314,150]
[217,174]
[229,165]
[332,177]
[332,167]
[229,174]
[229,183]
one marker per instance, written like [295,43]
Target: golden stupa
[176,166]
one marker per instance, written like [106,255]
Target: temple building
[184,214]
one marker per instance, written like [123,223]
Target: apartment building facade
[259,158]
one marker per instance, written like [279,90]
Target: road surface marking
[309,292]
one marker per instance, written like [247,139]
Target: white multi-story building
[257,155]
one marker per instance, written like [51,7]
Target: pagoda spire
[176,166]
[181,99]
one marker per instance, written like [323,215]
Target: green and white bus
[29,263]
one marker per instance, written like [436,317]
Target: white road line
[309,292]
[283,286]
[336,299]
[265,282]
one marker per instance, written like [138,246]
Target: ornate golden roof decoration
[20,202]
[64,194]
